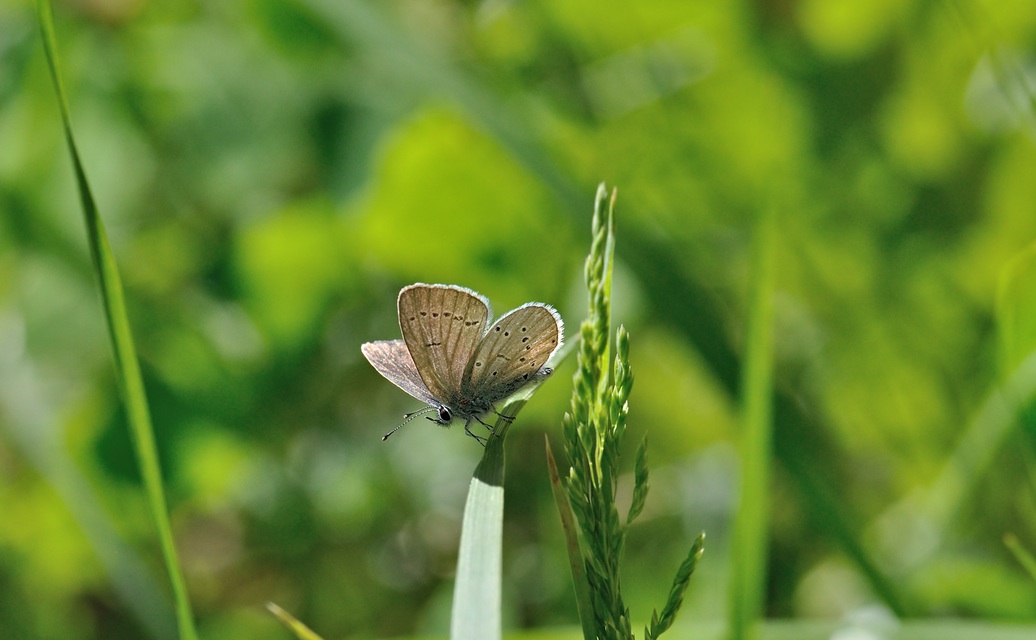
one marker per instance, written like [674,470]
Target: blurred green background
[273,171]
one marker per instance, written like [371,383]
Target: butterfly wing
[513,352]
[392,359]
[442,325]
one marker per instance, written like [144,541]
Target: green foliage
[271,173]
[594,430]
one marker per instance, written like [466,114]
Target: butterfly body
[453,360]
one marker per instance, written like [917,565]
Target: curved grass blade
[127,368]
[301,631]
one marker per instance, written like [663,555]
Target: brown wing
[392,360]
[442,325]
[512,352]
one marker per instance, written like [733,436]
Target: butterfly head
[443,415]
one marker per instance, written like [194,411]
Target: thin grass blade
[1023,555]
[752,524]
[301,631]
[575,556]
[130,382]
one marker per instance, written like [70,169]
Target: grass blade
[575,556]
[1016,309]
[752,524]
[130,382]
[301,631]
[1024,557]
[476,593]
[972,458]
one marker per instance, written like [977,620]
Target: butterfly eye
[444,413]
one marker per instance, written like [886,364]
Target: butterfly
[454,361]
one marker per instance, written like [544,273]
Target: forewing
[513,351]
[392,359]
[442,325]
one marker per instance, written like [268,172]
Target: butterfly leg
[489,427]
[503,417]
[467,430]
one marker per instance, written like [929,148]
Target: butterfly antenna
[407,417]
